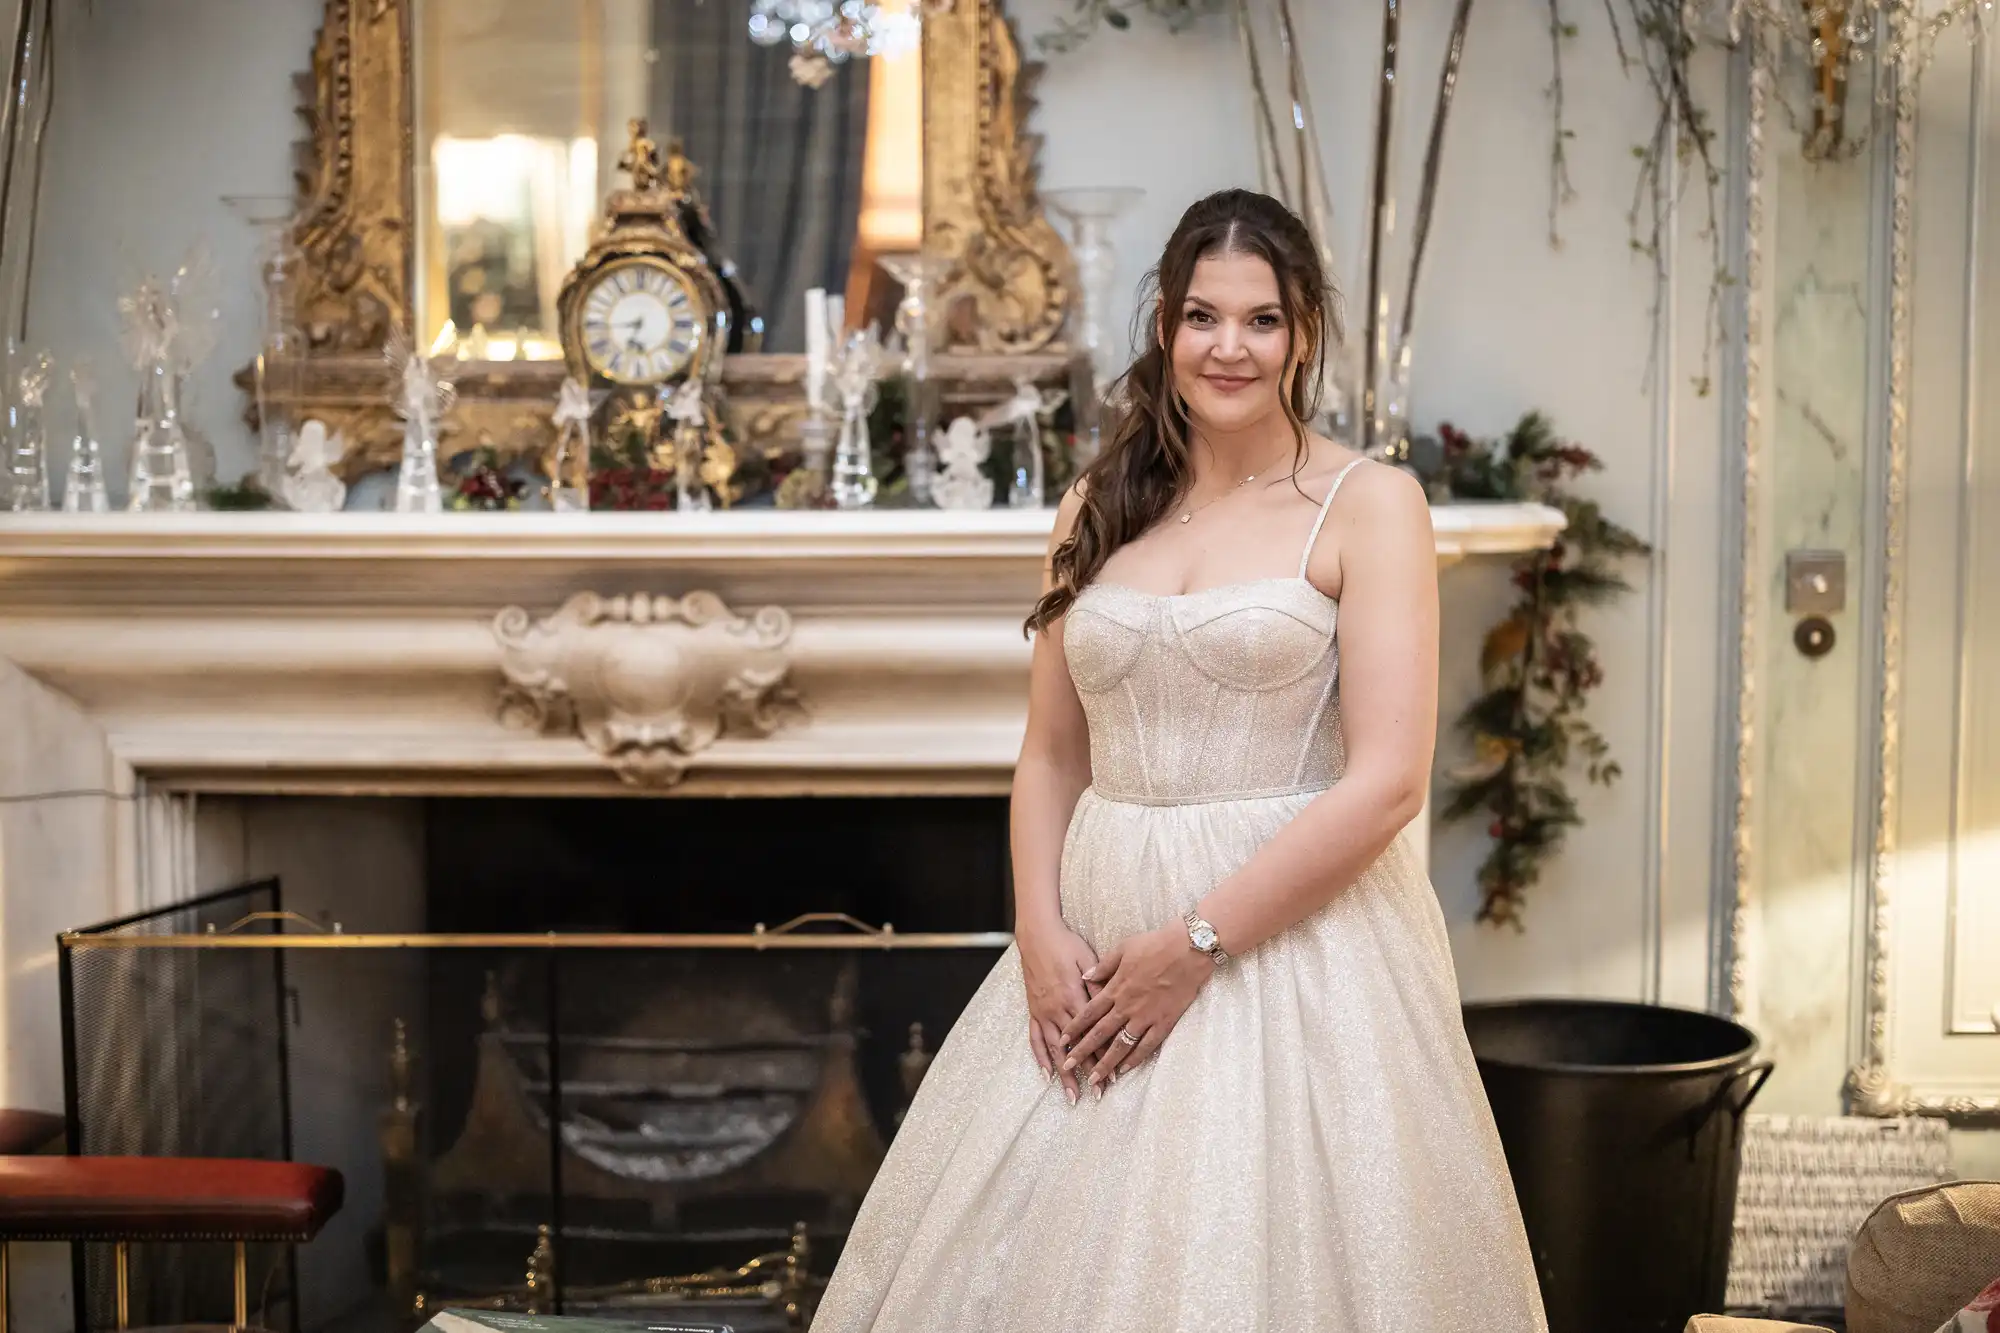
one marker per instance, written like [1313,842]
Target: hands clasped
[1054,960]
[1142,987]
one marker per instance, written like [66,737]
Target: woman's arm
[1388,639]
[1053,769]
[1049,777]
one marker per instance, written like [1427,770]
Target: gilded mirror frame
[357,237]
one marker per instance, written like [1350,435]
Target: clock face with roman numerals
[641,324]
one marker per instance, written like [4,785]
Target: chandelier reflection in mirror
[837,29]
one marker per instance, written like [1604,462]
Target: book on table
[507,1321]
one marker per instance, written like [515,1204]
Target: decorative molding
[1965,920]
[1873,1091]
[1872,1086]
[1742,840]
[349,653]
[357,556]
[648,682]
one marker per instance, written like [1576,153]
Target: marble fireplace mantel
[149,659]
[875,651]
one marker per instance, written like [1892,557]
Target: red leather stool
[171,1199]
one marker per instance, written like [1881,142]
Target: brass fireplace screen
[550,1123]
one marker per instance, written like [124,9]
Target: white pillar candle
[817,333]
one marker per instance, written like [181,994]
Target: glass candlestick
[921,276]
[281,342]
[1392,405]
[162,479]
[1090,214]
[855,371]
[1025,483]
[816,439]
[418,490]
[27,477]
[83,489]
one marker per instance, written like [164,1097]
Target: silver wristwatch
[1201,938]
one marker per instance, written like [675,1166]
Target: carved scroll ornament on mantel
[648,682]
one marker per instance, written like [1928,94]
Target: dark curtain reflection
[780,163]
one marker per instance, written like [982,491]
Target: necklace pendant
[1187,518]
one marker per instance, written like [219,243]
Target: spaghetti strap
[1325,507]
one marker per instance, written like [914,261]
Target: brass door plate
[1815,583]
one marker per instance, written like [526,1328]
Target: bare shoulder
[1384,498]
[1379,523]
[1370,491]
[1385,526]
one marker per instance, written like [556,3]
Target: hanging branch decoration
[1561,191]
[1270,158]
[1683,140]
[1427,187]
[1373,349]
[1314,207]
[1312,200]
[1537,666]
[1679,151]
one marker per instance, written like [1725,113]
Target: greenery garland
[1537,666]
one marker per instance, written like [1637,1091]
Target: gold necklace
[1187,515]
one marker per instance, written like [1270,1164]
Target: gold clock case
[644,230]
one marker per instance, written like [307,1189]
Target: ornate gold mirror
[460,151]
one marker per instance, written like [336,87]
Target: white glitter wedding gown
[1310,1151]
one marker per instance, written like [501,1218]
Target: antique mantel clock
[643,318]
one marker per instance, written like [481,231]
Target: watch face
[641,324]
[1203,936]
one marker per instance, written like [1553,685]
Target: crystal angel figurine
[27,478]
[83,488]
[690,418]
[569,471]
[309,483]
[422,401]
[1023,415]
[961,482]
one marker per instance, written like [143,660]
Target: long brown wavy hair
[1145,466]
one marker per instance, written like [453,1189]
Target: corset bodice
[1221,694]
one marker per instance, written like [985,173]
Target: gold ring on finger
[1125,1035]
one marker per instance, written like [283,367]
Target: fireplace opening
[583,1117]
[696,864]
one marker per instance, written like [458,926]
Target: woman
[1245,1100]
